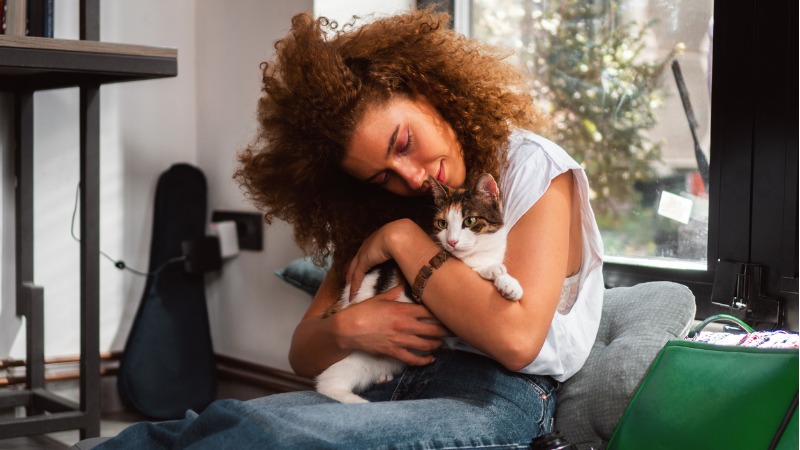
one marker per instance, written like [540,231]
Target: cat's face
[464,215]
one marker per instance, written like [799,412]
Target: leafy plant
[589,73]
[602,94]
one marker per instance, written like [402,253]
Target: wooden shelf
[35,63]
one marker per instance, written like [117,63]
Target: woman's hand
[380,325]
[378,248]
[375,250]
[384,326]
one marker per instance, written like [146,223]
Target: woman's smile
[440,176]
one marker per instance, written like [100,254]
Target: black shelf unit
[34,63]
[27,65]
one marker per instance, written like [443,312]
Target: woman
[352,122]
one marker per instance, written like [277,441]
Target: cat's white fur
[359,370]
[483,253]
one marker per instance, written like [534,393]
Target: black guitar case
[168,363]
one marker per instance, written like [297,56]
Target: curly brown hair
[314,93]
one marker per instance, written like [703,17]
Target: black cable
[119,264]
[776,439]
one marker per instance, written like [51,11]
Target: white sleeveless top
[533,162]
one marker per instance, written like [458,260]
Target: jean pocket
[542,399]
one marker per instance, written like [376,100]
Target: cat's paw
[352,398]
[509,287]
[492,272]
[385,378]
[343,396]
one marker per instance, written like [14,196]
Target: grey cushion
[304,274]
[636,323]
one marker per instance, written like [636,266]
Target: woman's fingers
[424,323]
[355,276]
[420,320]
[415,350]
[383,326]
[373,251]
[358,269]
[412,359]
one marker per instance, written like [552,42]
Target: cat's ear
[487,186]
[440,192]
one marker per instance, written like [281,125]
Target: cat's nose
[452,242]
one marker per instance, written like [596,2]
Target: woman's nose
[413,175]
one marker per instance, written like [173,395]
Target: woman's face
[398,144]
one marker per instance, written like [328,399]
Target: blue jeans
[461,400]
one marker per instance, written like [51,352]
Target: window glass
[606,73]
[343,11]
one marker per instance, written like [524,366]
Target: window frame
[755,120]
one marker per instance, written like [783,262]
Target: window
[608,73]
[604,69]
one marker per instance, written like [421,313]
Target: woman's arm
[544,246]
[380,326]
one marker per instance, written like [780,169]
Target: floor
[114,416]
[110,425]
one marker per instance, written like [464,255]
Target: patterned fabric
[569,294]
[757,339]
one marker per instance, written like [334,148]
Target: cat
[468,224]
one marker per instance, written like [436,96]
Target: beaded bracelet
[425,272]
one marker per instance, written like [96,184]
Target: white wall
[145,127]
[155,127]
[252,312]
[343,10]
[204,116]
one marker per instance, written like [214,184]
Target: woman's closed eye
[381,179]
[402,149]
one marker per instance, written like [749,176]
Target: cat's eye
[470,221]
[441,223]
